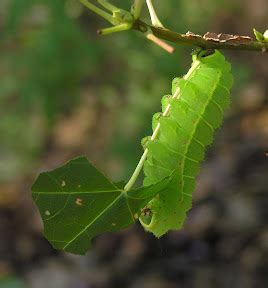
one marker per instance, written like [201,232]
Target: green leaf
[196,109]
[259,36]
[77,202]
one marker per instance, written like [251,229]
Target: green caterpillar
[181,133]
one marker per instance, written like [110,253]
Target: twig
[231,42]
[123,20]
[160,43]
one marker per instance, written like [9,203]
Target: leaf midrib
[94,220]
[76,192]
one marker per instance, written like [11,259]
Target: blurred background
[64,91]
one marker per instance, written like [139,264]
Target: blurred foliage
[44,56]
[11,283]
[49,49]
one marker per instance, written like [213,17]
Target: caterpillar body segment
[187,124]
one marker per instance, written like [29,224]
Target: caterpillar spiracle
[185,128]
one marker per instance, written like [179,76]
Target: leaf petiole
[114,29]
[107,5]
[98,11]
[137,8]
[154,18]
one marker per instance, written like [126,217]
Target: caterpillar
[185,127]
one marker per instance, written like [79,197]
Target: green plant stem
[154,18]
[136,172]
[107,5]
[139,167]
[114,29]
[137,8]
[98,11]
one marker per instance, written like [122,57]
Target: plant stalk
[98,11]
[107,5]
[154,18]
[137,8]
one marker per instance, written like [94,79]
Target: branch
[123,20]
[208,41]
